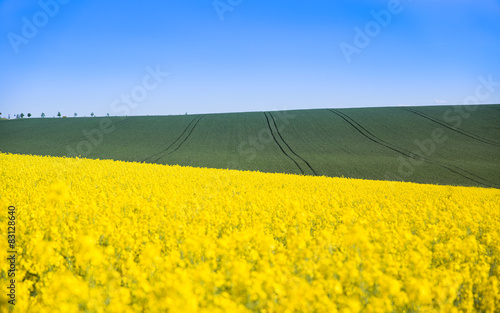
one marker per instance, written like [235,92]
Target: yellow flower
[107,236]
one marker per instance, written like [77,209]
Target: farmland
[123,228]
[439,145]
[112,236]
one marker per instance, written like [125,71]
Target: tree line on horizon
[43,115]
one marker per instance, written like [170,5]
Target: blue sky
[243,55]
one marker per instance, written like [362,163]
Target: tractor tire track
[455,169]
[281,148]
[279,134]
[166,151]
[83,137]
[460,131]
[173,143]
[190,132]
[177,139]
[452,168]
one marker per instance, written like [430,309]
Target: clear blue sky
[249,55]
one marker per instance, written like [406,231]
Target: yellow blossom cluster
[109,236]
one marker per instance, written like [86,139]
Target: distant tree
[43,115]
[59,114]
[92,114]
[106,114]
[29,114]
[22,115]
[76,114]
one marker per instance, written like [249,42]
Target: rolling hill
[457,145]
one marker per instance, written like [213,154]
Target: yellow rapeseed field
[108,236]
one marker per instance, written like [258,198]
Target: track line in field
[189,134]
[177,139]
[453,168]
[165,151]
[460,131]
[279,134]
[281,148]
[83,137]
[363,131]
